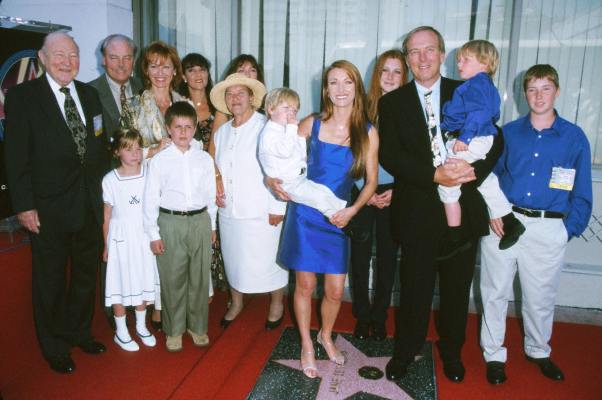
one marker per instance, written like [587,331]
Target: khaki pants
[184,270]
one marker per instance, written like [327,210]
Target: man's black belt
[537,213]
[182,213]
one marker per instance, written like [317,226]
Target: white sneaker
[147,338]
[128,344]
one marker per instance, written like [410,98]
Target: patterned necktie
[75,124]
[122,96]
[432,126]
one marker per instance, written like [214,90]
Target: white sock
[122,329]
[141,323]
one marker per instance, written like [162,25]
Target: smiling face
[60,57]
[160,72]
[196,77]
[469,66]
[118,61]
[248,69]
[424,57]
[391,75]
[181,131]
[541,94]
[340,88]
[239,100]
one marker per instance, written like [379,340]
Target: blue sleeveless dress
[309,241]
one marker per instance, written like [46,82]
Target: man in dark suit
[116,85]
[56,157]
[411,151]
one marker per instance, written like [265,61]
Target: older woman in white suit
[249,216]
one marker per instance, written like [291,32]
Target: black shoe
[495,372]
[62,364]
[225,322]
[454,371]
[513,228]
[548,368]
[269,325]
[157,325]
[92,347]
[396,369]
[362,330]
[379,331]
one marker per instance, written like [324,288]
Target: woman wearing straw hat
[249,214]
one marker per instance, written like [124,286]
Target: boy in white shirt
[179,216]
[283,154]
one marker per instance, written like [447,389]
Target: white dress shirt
[282,153]
[180,182]
[60,97]
[436,103]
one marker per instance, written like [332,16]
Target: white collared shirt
[436,102]
[282,152]
[60,97]
[116,91]
[180,182]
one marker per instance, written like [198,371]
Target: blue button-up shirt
[525,169]
[473,110]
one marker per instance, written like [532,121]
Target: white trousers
[495,199]
[537,257]
[312,194]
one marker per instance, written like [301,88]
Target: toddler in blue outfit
[472,113]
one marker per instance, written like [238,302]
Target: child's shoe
[126,343]
[147,338]
[199,340]
[174,343]
[453,243]
[513,229]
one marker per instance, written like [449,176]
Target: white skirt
[249,247]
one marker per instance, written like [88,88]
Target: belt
[537,213]
[182,213]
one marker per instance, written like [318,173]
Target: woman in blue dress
[342,147]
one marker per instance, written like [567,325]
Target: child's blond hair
[281,95]
[485,53]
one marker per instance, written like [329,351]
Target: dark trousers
[419,271]
[368,218]
[63,305]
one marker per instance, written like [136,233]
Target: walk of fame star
[342,381]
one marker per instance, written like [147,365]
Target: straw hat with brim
[219,91]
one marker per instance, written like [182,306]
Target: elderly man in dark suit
[116,85]
[56,155]
[412,152]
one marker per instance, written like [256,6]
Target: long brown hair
[358,135]
[375,92]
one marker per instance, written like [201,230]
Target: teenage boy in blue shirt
[545,172]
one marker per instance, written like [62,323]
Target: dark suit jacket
[405,152]
[110,111]
[43,168]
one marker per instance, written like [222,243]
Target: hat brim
[218,92]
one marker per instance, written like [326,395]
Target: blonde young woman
[343,146]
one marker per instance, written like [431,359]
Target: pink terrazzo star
[342,381]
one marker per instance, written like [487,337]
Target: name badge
[562,178]
[97,125]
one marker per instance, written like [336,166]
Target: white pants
[312,194]
[538,257]
[495,199]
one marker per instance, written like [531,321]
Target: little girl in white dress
[132,278]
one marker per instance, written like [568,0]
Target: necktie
[75,124]
[122,97]
[432,126]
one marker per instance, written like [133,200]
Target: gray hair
[406,39]
[117,37]
[54,36]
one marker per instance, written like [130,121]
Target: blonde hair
[375,92]
[358,124]
[281,95]
[485,53]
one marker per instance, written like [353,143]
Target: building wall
[90,20]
